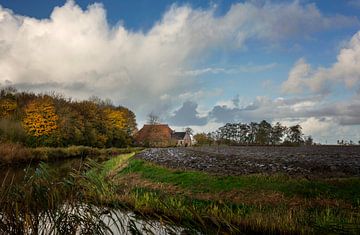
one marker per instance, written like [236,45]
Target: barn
[161,135]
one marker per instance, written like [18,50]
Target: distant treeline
[254,133]
[52,120]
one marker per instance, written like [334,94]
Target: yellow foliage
[115,119]
[7,107]
[40,117]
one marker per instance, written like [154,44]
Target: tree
[71,124]
[52,120]
[116,124]
[96,131]
[40,121]
[244,130]
[202,139]
[277,133]
[309,141]
[253,128]
[189,131]
[153,119]
[263,133]
[130,124]
[295,135]
[7,107]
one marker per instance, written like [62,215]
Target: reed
[16,153]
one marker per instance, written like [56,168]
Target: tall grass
[16,153]
[10,152]
[44,204]
[84,202]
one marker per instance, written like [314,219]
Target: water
[118,221]
[14,174]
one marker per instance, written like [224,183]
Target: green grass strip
[345,189]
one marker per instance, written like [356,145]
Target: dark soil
[309,162]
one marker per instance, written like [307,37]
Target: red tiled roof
[154,135]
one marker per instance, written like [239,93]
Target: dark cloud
[37,86]
[224,114]
[187,116]
[344,113]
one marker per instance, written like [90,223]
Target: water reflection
[69,217]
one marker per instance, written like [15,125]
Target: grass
[253,203]
[194,200]
[345,189]
[16,153]
[46,204]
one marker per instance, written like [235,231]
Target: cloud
[297,77]
[345,71]
[187,115]
[232,70]
[76,51]
[272,21]
[326,120]
[354,3]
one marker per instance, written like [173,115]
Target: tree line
[254,133]
[53,120]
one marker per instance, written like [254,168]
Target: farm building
[182,138]
[161,135]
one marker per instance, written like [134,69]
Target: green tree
[263,133]
[295,135]
[277,133]
[309,141]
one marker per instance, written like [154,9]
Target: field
[204,190]
[309,162]
[271,190]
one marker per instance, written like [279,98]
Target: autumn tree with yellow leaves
[52,120]
[7,108]
[40,120]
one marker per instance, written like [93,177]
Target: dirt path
[310,162]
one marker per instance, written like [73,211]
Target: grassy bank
[16,153]
[254,203]
[47,202]
[198,201]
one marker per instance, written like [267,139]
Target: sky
[197,64]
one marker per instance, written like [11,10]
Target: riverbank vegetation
[51,120]
[45,203]
[195,201]
[17,153]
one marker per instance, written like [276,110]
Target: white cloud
[77,53]
[231,70]
[297,77]
[346,71]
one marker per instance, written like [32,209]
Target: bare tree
[189,131]
[153,119]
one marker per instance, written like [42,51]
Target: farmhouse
[181,138]
[161,135]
